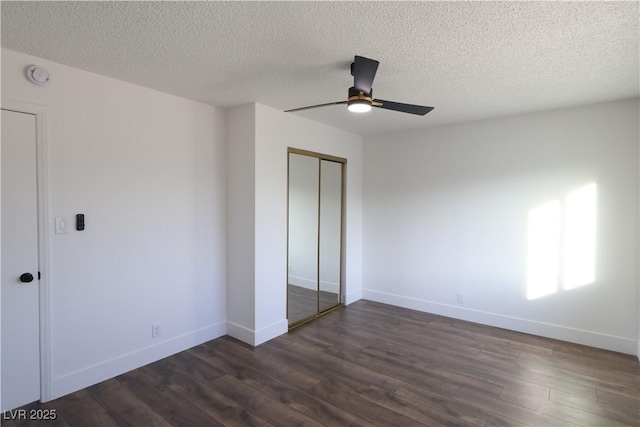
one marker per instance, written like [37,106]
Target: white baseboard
[241,333]
[578,336]
[257,337]
[352,297]
[91,375]
[271,331]
[313,285]
[302,282]
[334,288]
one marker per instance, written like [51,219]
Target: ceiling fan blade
[315,106]
[420,110]
[363,71]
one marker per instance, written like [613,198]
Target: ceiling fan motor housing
[355,93]
[358,101]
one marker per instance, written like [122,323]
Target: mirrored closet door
[315,234]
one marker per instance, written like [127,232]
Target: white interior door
[20,358]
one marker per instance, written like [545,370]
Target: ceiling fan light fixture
[358,102]
[360,98]
[359,106]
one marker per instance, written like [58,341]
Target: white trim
[241,333]
[302,282]
[353,297]
[257,337]
[331,287]
[578,336]
[118,365]
[271,331]
[42,170]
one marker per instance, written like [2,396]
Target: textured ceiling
[470,60]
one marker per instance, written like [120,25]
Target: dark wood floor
[303,302]
[370,364]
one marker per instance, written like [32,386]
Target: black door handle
[26,277]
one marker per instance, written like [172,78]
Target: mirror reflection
[315,235]
[303,237]
[330,233]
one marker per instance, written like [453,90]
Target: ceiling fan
[360,98]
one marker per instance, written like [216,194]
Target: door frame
[44,226]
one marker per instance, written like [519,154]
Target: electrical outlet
[460,298]
[155,330]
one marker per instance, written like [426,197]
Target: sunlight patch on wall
[561,248]
[580,237]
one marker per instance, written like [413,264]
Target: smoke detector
[38,75]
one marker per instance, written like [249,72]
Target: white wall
[274,132]
[148,171]
[446,212]
[241,220]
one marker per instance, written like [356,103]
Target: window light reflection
[561,247]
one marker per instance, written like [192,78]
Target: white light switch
[62,225]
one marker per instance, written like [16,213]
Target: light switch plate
[62,225]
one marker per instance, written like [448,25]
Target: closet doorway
[315,224]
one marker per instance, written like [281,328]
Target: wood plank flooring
[369,364]
[303,302]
